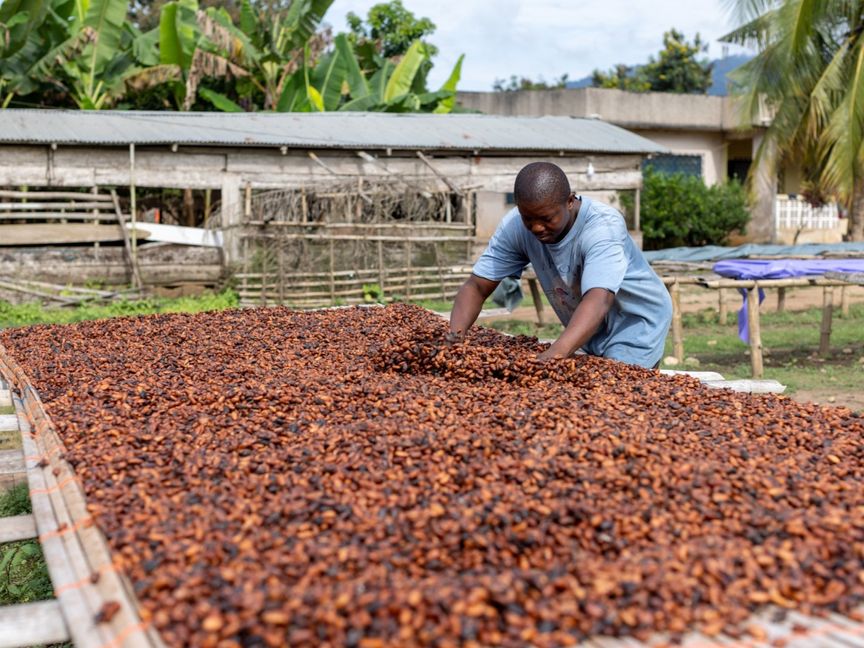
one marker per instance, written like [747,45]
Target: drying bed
[344,478]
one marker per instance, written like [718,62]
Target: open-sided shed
[322,193]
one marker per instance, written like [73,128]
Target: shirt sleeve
[504,256]
[605,265]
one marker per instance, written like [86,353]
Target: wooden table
[674,283]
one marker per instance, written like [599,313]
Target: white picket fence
[795,213]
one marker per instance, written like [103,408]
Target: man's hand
[454,337]
[551,354]
[586,319]
[469,301]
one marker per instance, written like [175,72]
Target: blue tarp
[785,268]
[717,253]
[779,269]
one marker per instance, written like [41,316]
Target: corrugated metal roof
[463,132]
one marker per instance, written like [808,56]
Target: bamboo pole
[754,330]
[381,266]
[677,327]
[409,264]
[332,261]
[361,226]
[781,299]
[844,301]
[133,207]
[827,312]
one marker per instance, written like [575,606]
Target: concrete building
[704,135]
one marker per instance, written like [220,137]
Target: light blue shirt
[597,252]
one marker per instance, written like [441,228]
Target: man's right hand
[454,337]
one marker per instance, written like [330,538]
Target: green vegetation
[808,73]
[256,56]
[30,313]
[23,572]
[676,68]
[680,210]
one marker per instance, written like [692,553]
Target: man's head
[545,201]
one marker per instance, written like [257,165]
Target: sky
[548,38]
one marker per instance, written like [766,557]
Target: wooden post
[844,301]
[133,207]
[381,266]
[827,311]
[304,205]
[722,307]
[208,203]
[538,301]
[409,265]
[781,299]
[754,330]
[332,260]
[677,326]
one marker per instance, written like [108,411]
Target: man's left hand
[549,354]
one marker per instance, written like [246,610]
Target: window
[686,164]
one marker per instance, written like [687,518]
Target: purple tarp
[778,269]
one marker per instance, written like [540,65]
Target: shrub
[679,210]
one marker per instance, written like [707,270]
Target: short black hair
[541,183]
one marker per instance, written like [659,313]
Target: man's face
[549,222]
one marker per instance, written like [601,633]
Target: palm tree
[810,72]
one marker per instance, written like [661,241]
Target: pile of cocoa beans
[346,478]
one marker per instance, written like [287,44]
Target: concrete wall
[634,110]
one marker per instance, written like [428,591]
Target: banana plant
[276,51]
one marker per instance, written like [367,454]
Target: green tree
[524,83]
[621,77]
[809,72]
[392,28]
[679,210]
[677,68]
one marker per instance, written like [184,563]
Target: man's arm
[583,324]
[469,302]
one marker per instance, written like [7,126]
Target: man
[610,301]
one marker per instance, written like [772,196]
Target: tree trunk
[856,212]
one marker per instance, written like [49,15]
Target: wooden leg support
[722,307]
[538,301]
[781,299]
[754,330]
[827,312]
[677,326]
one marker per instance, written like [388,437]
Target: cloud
[548,38]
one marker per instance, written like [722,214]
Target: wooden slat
[56,195]
[8,422]
[51,234]
[76,608]
[32,624]
[11,462]
[51,216]
[53,206]
[5,398]
[17,527]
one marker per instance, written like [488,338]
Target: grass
[33,313]
[23,572]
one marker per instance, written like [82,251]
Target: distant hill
[722,67]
